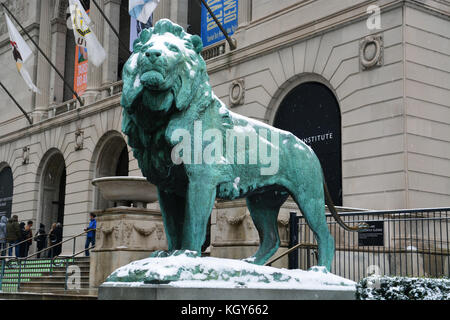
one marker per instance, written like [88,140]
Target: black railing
[399,243]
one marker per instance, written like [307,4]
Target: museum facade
[370,93]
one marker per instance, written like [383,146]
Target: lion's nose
[153,54]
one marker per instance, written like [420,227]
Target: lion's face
[162,68]
[161,59]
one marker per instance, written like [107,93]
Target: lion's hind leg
[264,208]
[313,210]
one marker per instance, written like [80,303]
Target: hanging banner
[80,69]
[136,27]
[226,11]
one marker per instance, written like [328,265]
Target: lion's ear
[197,43]
[184,95]
[130,90]
[145,35]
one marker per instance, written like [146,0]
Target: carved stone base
[234,236]
[242,252]
[123,235]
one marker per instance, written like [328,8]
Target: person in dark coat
[21,238]
[28,235]
[59,237]
[13,235]
[3,243]
[52,240]
[41,239]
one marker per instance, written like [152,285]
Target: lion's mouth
[152,79]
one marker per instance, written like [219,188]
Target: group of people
[20,237]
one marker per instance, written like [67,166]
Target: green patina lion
[166,98]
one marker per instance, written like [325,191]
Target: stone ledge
[166,292]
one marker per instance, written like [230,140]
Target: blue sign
[226,11]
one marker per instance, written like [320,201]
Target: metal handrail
[15,245]
[298,246]
[47,248]
[19,260]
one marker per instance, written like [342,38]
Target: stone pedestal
[126,291]
[234,236]
[124,234]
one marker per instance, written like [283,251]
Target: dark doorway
[62,197]
[112,161]
[53,191]
[6,191]
[122,165]
[312,113]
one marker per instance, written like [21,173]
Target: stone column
[179,12]
[58,36]
[162,11]
[111,42]
[94,75]
[244,13]
[43,68]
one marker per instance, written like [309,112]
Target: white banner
[84,37]
[21,53]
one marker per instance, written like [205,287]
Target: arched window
[6,191]
[312,113]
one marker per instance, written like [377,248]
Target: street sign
[373,236]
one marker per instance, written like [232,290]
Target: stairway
[39,281]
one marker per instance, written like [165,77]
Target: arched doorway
[53,189]
[311,112]
[6,191]
[112,160]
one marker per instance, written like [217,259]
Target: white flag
[141,10]
[21,53]
[84,37]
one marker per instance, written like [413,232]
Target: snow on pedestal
[188,270]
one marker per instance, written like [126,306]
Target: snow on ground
[208,272]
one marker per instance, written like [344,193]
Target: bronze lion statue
[178,131]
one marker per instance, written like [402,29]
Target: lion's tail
[335,215]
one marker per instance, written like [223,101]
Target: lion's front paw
[251,260]
[187,253]
[159,254]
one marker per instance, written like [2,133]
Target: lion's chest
[158,166]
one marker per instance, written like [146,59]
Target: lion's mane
[192,95]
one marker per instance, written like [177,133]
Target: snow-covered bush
[402,288]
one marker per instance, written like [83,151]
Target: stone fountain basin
[135,189]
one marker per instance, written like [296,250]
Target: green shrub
[402,288]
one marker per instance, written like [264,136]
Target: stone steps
[46,296]
[48,286]
[38,283]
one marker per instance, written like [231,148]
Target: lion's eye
[145,48]
[173,48]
